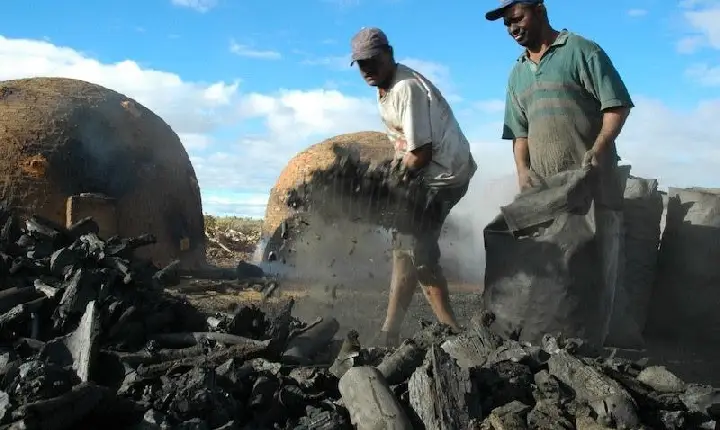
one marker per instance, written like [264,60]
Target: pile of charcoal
[381,194]
[90,339]
[479,380]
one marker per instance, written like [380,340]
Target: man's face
[376,70]
[523,24]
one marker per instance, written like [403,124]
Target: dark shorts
[424,244]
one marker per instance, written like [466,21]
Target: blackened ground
[364,311]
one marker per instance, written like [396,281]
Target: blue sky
[247,85]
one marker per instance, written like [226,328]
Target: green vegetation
[247,226]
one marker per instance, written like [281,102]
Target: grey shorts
[423,246]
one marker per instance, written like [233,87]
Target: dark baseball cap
[367,43]
[498,13]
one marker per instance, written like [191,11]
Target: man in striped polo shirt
[565,106]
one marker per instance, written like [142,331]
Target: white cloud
[198,5]
[247,51]
[437,73]
[637,12]
[705,74]
[490,106]
[703,20]
[189,107]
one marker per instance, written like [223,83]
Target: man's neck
[383,87]
[547,38]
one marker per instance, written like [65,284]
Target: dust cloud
[462,244]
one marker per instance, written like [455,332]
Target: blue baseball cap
[498,13]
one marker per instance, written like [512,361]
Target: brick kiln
[73,149]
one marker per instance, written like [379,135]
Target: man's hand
[593,158]
[524,179]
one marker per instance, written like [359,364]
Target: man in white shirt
[428,142]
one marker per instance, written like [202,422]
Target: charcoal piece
[62,259]
[662,380]
[124,247]
[43,229]
[511,416]
[11,230]
[180,340]
[441,393]
[245,270]
[14,296]
[15,323]
[168,276]
[34,380]
[5,405]
[64,411]
[122,320]
[157,356]
[199,395]
[502,383]
[215,358]
[79,348]
[349,354]
[314,379]
[154,420]
[278,323]
[302,348]
[469,348]
[370,402]
[48,290]
[193,424]
[322,419]
[84,226]
[121,266]
[704,399]
[590,385]
[549,415]
[90,246]
[248,321]
[231,425]
[401,364]
[80,290]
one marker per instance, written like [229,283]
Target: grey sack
[642,212]
[544,270]
[686,300]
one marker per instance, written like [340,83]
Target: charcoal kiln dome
[72,148]
[371,146]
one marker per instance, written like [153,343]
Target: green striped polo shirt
[557,105]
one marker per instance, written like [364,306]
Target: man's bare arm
[612,124]
[521,154]
[419,157]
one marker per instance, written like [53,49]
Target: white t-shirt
[415,113]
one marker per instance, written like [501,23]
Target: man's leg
[427,257]
[433,281]
[402,288]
